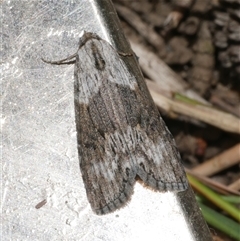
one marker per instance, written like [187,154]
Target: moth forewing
[120,132]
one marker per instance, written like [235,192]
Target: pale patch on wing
[89,82]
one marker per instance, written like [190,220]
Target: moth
[120,133]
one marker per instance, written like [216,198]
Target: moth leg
[123,54]
[83,40]
[62,61]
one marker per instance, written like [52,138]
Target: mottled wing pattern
[120,132]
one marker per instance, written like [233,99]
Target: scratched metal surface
[39,137]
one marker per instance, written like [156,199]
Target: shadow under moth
[120,133]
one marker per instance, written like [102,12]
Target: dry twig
[203,113]
[220,162]
[160,73]
[144,29]
[235,185]
[220,188]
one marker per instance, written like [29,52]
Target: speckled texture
[120,133]
[39,137]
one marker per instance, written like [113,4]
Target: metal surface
[39,138]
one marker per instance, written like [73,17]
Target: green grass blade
[214,198]
[220,222]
